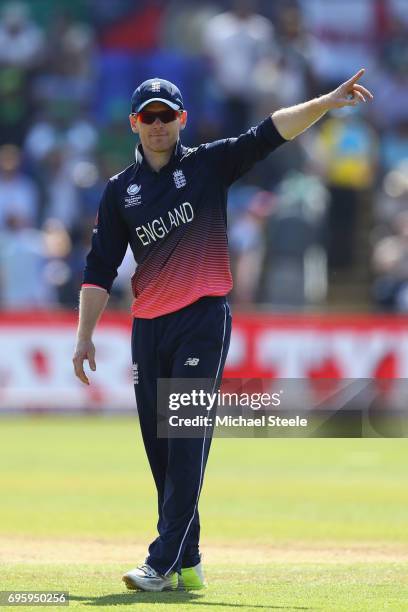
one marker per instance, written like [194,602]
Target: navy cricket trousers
[192,342]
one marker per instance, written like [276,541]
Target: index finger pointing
[355,78]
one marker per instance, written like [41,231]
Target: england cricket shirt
[175,221]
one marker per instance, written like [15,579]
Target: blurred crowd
[67,71]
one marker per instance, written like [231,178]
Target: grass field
[319,524]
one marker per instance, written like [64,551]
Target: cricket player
[170,205]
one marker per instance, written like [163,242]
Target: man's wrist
[81,337]
[323,103]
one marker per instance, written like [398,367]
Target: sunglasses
[165,116]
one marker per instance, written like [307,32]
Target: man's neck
[157,160]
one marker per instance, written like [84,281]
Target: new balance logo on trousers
[192,361]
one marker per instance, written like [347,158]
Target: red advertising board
[36,354]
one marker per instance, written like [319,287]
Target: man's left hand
[349,93]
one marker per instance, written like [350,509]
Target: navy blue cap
[156,90]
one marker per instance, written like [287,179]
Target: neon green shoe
[192,578]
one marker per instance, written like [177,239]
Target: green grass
[286,524]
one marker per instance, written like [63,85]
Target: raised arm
[292,121]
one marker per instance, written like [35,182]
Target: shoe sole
[181,587]
[135,587]
[130,584]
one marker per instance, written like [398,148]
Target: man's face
[158,137]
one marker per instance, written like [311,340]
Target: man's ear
[134,124]
[183,120]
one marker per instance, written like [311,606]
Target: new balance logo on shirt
[192,361]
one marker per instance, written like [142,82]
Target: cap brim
[171,104]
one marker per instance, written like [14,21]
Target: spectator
[62,200]
[285,78]
[346,147]
[21,52]
[23,258]
[392,199]
[69,74]
[247,246]
[115,139]
[390,264]
[343,38]
[74,132]
[390,237]
[394,146]
[21,40]
[58,271]
[19,194]
[184,24]
[236,41]
[296,270]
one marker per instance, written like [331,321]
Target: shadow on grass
[174,598]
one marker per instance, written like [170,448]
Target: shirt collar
[174,159]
